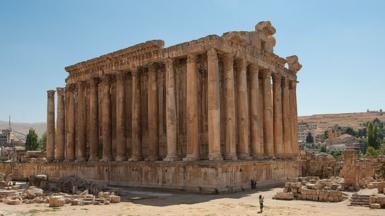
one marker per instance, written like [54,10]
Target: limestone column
[278,127]
[170,112]
[268,130]
[293,115]
[192,109]
[93,121]
[106,119]
[152,101]
[60,129]
[81,123]
[136,147]
[243,110]
[286,118]
[228,70]
[255,118]
[50,148]
[120,118]
[70,123]
[213,104]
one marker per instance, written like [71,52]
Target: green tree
[31,142]
[323,148]
[372,152]
[373,138]
[42,141]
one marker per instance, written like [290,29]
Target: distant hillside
[354,120]
[24,127]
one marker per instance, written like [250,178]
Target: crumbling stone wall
[321,165]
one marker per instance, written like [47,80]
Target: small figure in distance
[261,198]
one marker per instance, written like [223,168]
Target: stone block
[374,206]
[114,199]
[56,201]
[284,196]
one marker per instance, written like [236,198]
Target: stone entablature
[214,98]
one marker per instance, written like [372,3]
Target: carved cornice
[154,52]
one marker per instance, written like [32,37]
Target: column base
[151,158]
[80,160]
[231,156]
[215,156]
[257,156]
[105,159]
[171,158]
[120,158]
[191,158]
[68,160]
[245,156]
[93,159]
[135,158]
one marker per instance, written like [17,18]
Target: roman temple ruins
[205,115]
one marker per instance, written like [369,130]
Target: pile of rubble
[313,188]
[69,192]
[377,201]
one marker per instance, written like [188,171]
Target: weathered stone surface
[33,192]
[284,196]
[13,200]
[56,201]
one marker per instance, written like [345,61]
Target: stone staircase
[359,200]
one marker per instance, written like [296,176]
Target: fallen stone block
[15,200]
[284,196]
[56,201]
[114,199]
[33,192]
[374,206]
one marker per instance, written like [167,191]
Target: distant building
[304,128]
[345,142]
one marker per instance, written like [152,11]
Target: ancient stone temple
[205,115]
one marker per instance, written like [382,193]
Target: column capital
[191,58]
[212,53]
[93,82]
[254,67]
[60,91]
[120,75]
[277,77]
[228,55]
[266,74]
[51,93]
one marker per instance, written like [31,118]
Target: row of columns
[260,105]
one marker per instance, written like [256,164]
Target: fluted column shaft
[136,147]
[93,121]
[268,132]
[228,70]
[278,127]
[106,119]
[255,118]
[213,104]
[80,123]
[152,101]
[286,118]
[192,109]
[50,148]
[60,126]
[243,110]
[170,112]
[293,114]
[121,150]
[70,123]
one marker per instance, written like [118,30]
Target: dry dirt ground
[171,203]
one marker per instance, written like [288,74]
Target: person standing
[261,198]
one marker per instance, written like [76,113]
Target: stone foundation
[198,176]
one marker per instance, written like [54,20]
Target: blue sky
[341,44]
